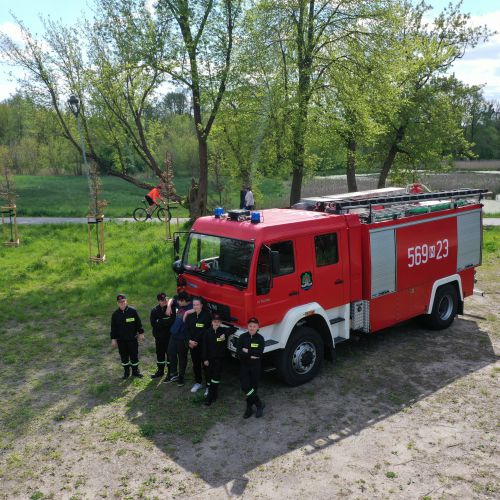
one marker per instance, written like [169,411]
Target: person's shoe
[126,374]
[260,410]
[180,382]
[157,374]
[196,387]
[207,402]
[171,378]
[248,412]
[137,375]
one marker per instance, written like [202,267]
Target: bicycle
[140,214]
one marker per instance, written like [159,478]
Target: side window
[287,263]
[327,251]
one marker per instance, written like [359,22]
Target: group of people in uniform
[183,325]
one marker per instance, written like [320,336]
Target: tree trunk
[351,166]
[200,202]
[391,156]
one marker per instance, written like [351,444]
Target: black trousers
[214,370]
[161,344]
[177,351]
[129,352]
[198,367]
[214,373]
[249,380]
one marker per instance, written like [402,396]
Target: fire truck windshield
[220,259]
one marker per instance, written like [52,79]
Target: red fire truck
[332,265]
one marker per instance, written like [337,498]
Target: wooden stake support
[9,211]
[96,252]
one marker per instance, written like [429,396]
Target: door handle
[293,293]
[338,282]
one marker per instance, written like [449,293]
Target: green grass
[57,363]
[67,196]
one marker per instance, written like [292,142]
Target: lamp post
[74,106]
[95,219]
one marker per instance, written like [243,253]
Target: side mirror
[177,266]
[177,246]
[275,261]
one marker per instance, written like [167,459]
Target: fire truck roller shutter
[383,262]
[469,236]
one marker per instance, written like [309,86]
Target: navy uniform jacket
[255,346]
[126,324]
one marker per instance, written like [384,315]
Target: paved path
[82,220]
[487,221]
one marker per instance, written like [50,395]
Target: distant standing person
[214,351]
[250,351]
[152,198]
[161,324]
[126,330]
[197,324]
[243,193]
[249,199]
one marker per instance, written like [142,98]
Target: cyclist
[152,198]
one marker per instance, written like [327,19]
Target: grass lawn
[57,365]
[67,196]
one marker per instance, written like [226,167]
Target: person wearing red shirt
[152,198]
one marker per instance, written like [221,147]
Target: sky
[480,66]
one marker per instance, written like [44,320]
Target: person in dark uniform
[197,323]
[250,350]
[213,353]
[178,345]
[126,330]
[161,324]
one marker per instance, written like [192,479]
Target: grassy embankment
[66,196]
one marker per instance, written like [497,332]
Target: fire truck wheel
[301,360]
[444,308]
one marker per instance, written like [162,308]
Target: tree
[101,65]
[426,54]
[308,31]
[206,29]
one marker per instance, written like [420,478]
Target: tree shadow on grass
[369,381]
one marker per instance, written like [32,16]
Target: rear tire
[302,358]
[140,214]
[444,308]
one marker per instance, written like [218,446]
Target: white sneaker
[196,387]
[206,392]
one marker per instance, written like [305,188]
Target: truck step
[338,340]
[336,320]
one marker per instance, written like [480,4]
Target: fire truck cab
[331,265]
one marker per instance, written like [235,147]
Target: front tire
[140,214]
[302,358]
[163,213]
[444,308]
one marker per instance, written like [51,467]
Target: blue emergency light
[255,217]
[218,212]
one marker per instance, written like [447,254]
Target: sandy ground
[406,413]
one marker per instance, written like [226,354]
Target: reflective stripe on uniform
[215,381]
[160,362]
[250,392]
[125,364]
[134,364]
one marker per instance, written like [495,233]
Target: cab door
[328,280]
[276,292]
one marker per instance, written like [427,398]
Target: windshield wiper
[218,279]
